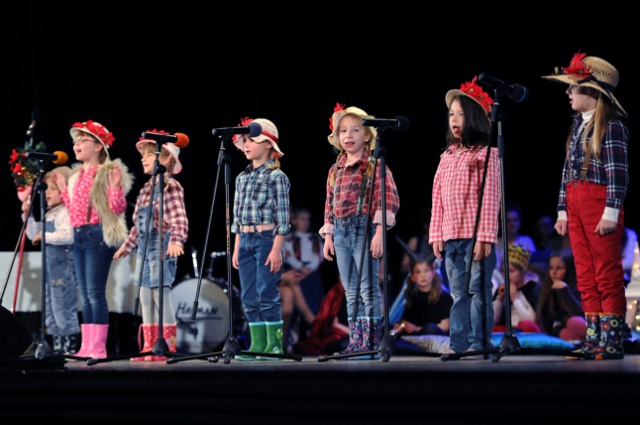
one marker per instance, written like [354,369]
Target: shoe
[473,357]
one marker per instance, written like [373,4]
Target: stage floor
[517,388]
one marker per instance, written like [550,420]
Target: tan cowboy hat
[269,133]
[590,71]
[473,92]
[339,112]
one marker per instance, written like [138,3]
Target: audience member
[559,310]
[513,213]
[428,305]
[523,295]
[545,236]
[629,243]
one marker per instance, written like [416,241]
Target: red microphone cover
[61,159]
[183,140]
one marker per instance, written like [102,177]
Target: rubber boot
[58,345]
[99,347]
[258,334]
[611,338]
[274,341]
[146,332]
[87,340]
[592,338]
[355,337]
[169,333]
[371,334]
[71,344]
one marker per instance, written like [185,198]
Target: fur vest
[114,227]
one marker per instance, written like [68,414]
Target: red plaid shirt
[345,197]
[456,190]
[174,213]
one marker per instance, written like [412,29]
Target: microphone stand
[231,346]
[387,343]
[160,347]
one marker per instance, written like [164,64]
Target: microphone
[398,123]
[58,157]
[515,92]
[253,129]
[181,140]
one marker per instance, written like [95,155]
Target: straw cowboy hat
[590,71]
[97,130]
[269,133]
[473,92]
[173,150]
[339,111]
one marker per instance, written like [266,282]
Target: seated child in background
[428,306]
[523,294]
[559,309]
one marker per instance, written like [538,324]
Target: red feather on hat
[576,67]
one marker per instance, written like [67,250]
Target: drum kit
[208,329]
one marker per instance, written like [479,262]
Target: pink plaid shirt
[456,190]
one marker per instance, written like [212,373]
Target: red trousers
[598,258]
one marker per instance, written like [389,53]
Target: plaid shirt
[174,214]
[262,197]
[345,198]
[456,191]
[612,171]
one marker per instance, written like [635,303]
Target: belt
[252,228]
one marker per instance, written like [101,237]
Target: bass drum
[210,328]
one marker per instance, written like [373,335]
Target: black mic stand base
[384,352]
[232,349]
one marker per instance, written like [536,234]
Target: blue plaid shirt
[262,197]
[612,171]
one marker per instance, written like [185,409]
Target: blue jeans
[150,266]
[93,260]
[61,315]
[348,241]
[472,311]
[259,287]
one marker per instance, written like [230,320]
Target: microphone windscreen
[403,123]
[62,158]
[182,141]
[255,129]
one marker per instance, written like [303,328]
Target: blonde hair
[151,147]
[596,128]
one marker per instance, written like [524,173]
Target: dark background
[187,68]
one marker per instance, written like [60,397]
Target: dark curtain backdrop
[186,68]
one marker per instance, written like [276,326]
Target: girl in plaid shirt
[346,215]
[455,196]
[590,205]
[175,221]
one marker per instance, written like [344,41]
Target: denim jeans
[472,310]
[259,287]
[349,243]
[151,265]
[61,315]
[93,260]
